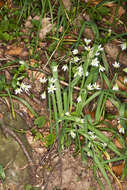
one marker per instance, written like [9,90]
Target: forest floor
[56,41]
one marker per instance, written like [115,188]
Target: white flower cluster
[94,86]
[92,135]
[22,87]
[52,87]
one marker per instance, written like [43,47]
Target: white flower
[79,99]
[89,153]
[101,68]
[118,120]
[75,52]
[55,68]
[43,80]
[87,73]
[92,135]
[123,46]
[121,130]
[18,90]
[25,87]
[82,120]
[104,145]
[97,53]
[100,48]
[87,48]
[52,80]
[73,135]
[125,70]
[91,52]
[67,113]
[90,87]
[79,71]
[51,88]
[76,59]
[22,62]
[65,68]
[43,95]
[95,62]
[116,64]
[96,86]
[115,87]
[87,41]
[125,80]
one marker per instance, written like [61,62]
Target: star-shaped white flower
[18,91]
[43,80]
[116,65]
[52,80]
[121,130]
[76,59]
[92,135]
[125,80]
[87,48]
[51,88]
[90,87]
[95,62]
[65,68]
[22,62]
[73,135]
[96,86]
[100,48]
[87,41]
[75,52]
[123,46]
[87,73]
[79,99]
[55,68]
[101,68]
[25,87]
[67,113]
[43,95]
[82,120]
[79,71]
[115,87]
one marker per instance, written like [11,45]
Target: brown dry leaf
[67,4]
[14,50]
[118,169]
[121,12]
[117,143]
[95,2]
[46,27]
[120,84]
[2,3]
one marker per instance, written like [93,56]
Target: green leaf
[40,121]
[2,174]
[50,139]
[28,187]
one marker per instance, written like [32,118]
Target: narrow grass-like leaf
[22,101]
[106,80]
[102,169]
[104,139]
[91,98]
[104,59]
[58,88]
[124,174]
[99,106]
[65,101]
